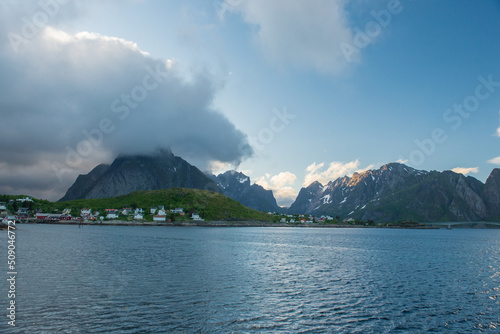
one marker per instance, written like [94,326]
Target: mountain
[398,192]
[237,186]
[126,174]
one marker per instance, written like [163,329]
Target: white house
[126,211]
[26,199]
[3,206]
[138,216]
[196,217]
[152,211]
[178,210]
[66,211]
[112,214]
[139,210]
[159,218]
[161,212]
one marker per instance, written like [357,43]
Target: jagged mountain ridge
[397,192]
[126,174]
[237,186]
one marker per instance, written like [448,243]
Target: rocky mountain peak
[129,173]
[237,186]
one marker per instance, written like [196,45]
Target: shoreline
[221,224]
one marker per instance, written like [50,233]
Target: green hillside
[210,205]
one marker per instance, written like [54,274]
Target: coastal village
[25,213]
[23,210]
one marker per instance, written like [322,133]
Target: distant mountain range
[398,192]
[392,193]
[237,186]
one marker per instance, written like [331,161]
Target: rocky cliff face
[492,194]
[397,192]
[142,172]
[237,186]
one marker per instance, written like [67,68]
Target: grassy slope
[208,204]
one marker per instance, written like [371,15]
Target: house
[152,211]
[52,217]
[85,212]
[26,199]
[41,216]
[138,210]
[138,216]
[126,211]
[161,212]
[196,217]
[178,210]
[112,213]
[349,220]
[3,206]
[159,218]
[283,220]
[66,211]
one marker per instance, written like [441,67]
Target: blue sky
[265,58]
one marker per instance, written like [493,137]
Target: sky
[287,91]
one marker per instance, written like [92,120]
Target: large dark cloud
[68,102]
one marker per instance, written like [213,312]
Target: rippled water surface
[202,280]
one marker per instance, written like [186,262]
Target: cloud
[465,171]
[71,101]
[495,161]
[306,34]
[280,184]
[335,170]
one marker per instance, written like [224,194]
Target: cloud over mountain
[70,101]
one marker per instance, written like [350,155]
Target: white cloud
[59,85]
[218,167]
[465,171]
[334,171]
[402,161]
[495,161]
[297,32]
[283,179]
[280,184]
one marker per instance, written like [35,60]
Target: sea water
[113,279]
